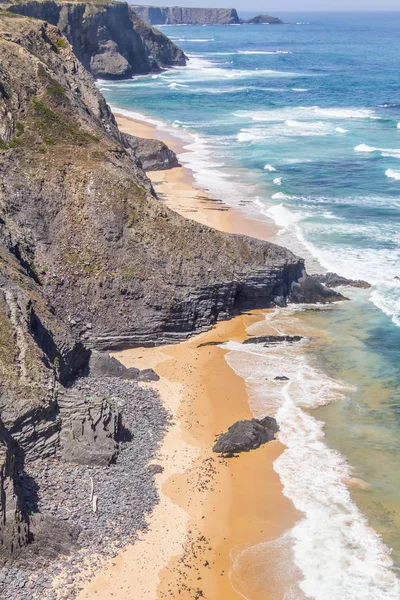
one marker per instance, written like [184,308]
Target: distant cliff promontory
[109,39]
[176,15]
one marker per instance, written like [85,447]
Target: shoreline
[192,538]
[177,188]
[192,541]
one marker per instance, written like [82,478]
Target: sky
[279,6]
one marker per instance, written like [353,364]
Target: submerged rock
[271,340]
[308,290]
[109,38]
[243,436]
[334,280]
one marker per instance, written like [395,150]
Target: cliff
[79,210]
[89,257]
[109,39]
[175,15]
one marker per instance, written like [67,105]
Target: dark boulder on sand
[243,436]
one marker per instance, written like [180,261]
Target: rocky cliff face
[175,15]
[89,257]
[79,211]
[109,39]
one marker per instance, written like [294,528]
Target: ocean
[300,123]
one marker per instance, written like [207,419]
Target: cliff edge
[108,38]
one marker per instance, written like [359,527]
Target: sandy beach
[176,187]
[211,509]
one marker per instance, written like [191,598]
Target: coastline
[177,188]
[193,540]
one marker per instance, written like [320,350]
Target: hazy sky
[277,6]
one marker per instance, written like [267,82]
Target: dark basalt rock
[333,280]
[101,364]
[308,290]
[271,340]
[243,436]
[155,469]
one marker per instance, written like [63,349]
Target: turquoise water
[301,123]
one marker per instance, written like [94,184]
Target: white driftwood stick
[91,489]
[94,504]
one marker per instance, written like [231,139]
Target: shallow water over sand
[337,420]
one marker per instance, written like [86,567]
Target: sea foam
[338,554]
[393,174]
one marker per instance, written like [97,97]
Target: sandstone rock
[243,436]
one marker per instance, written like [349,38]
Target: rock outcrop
[14,522]
[308,290]
[264,20]
[109,39]
[153,155]
[176,15]
[333,280]
[243,436]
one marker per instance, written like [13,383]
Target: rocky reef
[108,38]
[176,15]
